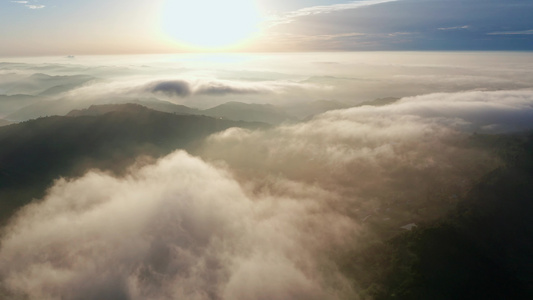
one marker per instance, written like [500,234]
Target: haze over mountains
[191,178]
[4,122]
[108,137]
[56,100]
[287,82]
[266,113]
[17,106]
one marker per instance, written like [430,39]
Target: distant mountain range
[249,112]
[43,84]
[41,95]
[60,107]
[111,136]
[379,101]
[23,98]
[12,103]
[37,107]
[306,110]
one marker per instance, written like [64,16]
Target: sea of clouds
[260,214]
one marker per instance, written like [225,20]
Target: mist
[267,213]
[246,217]
[203,81]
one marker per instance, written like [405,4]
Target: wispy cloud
[30,6]
[454,28]
[35,6]
[337,36]
[322,9]
[291,38]
[530,31]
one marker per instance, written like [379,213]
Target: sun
[210,24]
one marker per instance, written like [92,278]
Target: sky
[60,27]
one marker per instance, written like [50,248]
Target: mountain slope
[166,106]
[34,153]
[249,112]
[306,110]
[480,251]
[379,101]
[12,103]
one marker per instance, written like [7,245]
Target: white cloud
[286,38]
[501,111]
[180,229]
[30,6]
[454,28]
[322,9]
[262,214]
[35,6]
[512,32]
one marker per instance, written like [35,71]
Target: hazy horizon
[206,80]
[59,27]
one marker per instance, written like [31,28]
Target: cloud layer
[264,214]
[205,81]
[183,88]
[177,229]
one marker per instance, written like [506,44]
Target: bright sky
[64,27]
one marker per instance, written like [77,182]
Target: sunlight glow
[210,24]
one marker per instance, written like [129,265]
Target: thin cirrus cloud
[321,9]
[512,32]
[30,6]
[35,6]
[432,21]
[454,28]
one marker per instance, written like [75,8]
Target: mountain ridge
[34,153]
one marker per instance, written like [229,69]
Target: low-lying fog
[287,80]
[256,214]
